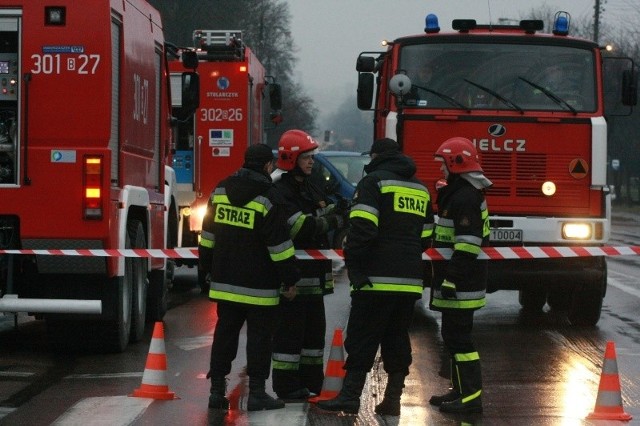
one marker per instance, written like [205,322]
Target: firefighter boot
[470,400]
[390,405]
[217,398]
[259,399]
[348,400]
[454,390]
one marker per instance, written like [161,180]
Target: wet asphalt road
[536,370]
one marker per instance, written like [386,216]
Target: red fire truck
[534,106]
[84,138]
[235,96]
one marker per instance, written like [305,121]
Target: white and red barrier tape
[492,253]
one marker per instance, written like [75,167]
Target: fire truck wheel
[586,300]
[559,299]
[532,300]
[139,282]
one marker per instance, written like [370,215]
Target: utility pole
[597,10]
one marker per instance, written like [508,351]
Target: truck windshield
[499,76]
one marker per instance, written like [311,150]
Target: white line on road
[107,411]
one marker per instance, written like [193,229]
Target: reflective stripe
[365,212]
[471,397]
[312,356]
[329,283]
[312,352]
[364,215]
[289,362]
[249,296]
[283,251]
[415,188]
[471,239]
[427,230]
[308,286]
[207,243]
[468,248]
[470,356]
[396,284]
[458,304]
[289,366]
[295,222]
[285,357]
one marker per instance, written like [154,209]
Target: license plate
[506,235]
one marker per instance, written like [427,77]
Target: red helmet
[459,155]
[292,144]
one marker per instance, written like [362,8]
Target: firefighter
[459,284]
[246,250]
[298,353]
[390,225]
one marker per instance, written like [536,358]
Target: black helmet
[256,156]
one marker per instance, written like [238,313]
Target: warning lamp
[431,24]
[576,231]
[243,68]
[55,15]
[548,188]
[92,187]
[561,23]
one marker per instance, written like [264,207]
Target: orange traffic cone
[334,374]
[609,400]
[154,379]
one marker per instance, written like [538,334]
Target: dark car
[341,171]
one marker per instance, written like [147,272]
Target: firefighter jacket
[390,225]
[245,243]
[463,226]
[308,228]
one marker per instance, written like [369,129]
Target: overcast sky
[329,34]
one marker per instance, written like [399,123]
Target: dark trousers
[456,331]
[300,333]
[383,320]
[260,327]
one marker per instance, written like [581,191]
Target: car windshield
[351,167]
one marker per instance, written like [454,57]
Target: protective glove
[448,290]
[358,280]
[289,292]
[326,211]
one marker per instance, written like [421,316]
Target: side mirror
[190,93]
[365,64]
[190,59]
[365,90]
[275,96]
[629,87]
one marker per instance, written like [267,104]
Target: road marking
[111,410]
[104,375]
[191,343]
[619,285]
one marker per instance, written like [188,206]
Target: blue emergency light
[561,23]
[431,24]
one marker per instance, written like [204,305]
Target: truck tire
[116,332]
[586,300]
[139,281]
[532,300]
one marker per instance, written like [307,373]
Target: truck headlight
[576,231]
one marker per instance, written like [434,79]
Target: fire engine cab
[534,105]
[236,98]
